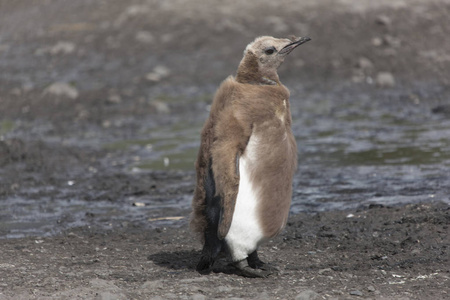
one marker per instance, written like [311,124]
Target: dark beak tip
[305,39]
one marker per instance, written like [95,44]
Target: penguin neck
[249,73]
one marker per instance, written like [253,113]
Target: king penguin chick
[246,161]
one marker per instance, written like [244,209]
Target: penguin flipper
[225,165]
[232,130]
[229,203]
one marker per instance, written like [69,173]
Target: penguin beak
[289,47]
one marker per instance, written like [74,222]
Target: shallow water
[356,148]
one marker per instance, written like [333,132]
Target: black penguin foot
[255,263]
[245,270]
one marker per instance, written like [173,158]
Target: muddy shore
[101,104]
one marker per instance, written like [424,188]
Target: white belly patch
[245,234]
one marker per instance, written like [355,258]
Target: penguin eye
[270,51]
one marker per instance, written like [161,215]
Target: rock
[131,12]
[335,63]
[365,64]
[356,293]
[307,295]
[106,124]
[323,271]
[443,109]
[62,48]
[371,288]
[144,37]
[114,99]
[224,288]
[62,89]
[160,107]
[376,41]
[392,41]
[135,10]
[158,73]
[7,266]
[385,79]
[383,20]
[358,77]
[166,161]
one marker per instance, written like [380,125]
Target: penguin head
[265,54]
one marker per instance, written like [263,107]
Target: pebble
[158,73]
[365,64]
[377,41]
[131,12]
[323,271]
[307,295]
[385,79]
[114,99]
[62,89]
[160,107]
[356,293]
[392,41]
[135,10]
[371,288]
[383,20]
[224,288]
[61,47]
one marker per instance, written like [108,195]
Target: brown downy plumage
[253,106]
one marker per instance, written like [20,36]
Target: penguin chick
[246,161]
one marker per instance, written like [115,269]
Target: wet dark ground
[101,106]
[358,146]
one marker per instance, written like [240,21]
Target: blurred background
[102,103]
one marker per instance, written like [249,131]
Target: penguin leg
[245,270]
[256,263]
